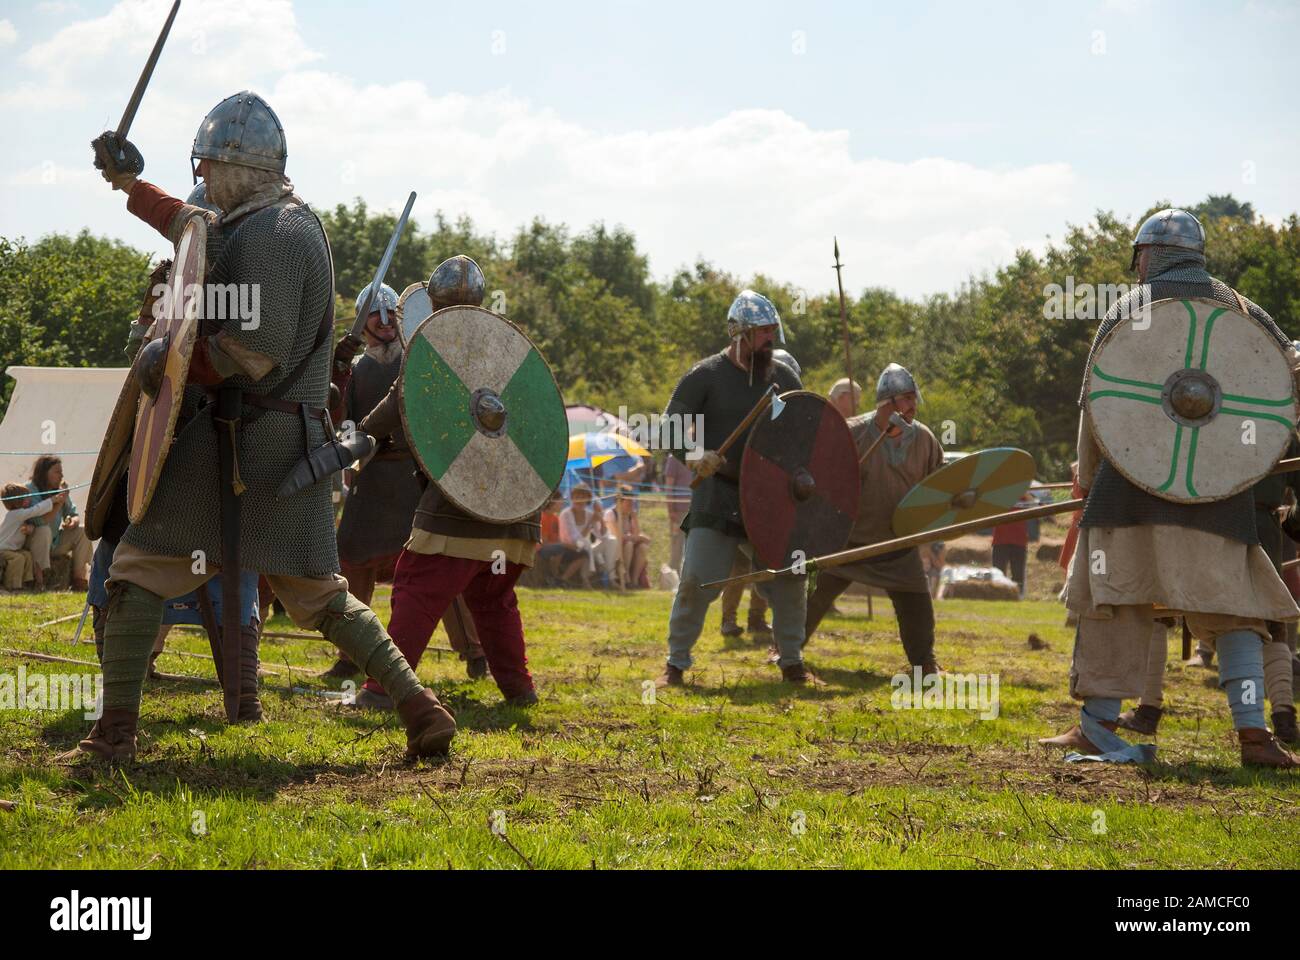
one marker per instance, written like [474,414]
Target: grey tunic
[381,502]
[720,392]
[283,251]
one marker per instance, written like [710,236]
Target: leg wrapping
[130,626]
[353,627]
[1241,675]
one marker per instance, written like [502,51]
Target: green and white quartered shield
[1191,401]
[483,414]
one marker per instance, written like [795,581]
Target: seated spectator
[582,530]
[624,528]
[60,533]
[551,552]
[20,509]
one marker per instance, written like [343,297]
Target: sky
[933,138]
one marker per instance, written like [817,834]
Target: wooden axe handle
[763,403]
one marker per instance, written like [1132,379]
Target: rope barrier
[47,493]
[46,453]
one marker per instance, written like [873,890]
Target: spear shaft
[844,328]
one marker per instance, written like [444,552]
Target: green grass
[721,774]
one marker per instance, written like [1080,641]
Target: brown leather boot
[476,668]
[1073,739]
[527,698]
[430,726]
[730,628]
[1143,720]
[759,629]
[1284,726]
[800,674]
[1259,748]
[930,667]
[671,677]
[112,738]
[341,670]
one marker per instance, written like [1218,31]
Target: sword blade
[360,322]
[128,115]
[81,624]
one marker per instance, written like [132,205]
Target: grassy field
[737,770]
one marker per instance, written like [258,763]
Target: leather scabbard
[226,418]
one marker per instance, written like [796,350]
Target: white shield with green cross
[1191,400]
[483,414]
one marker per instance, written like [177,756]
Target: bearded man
[722,389]
[275,366]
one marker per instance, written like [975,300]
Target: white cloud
[57,8]
[8,33]
[755,191]
[51,174]
[214,39]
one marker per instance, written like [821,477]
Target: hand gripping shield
[483,414]
[799,481]
[175,331]
[1191,400]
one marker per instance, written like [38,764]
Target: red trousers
[362,577]
[424,585]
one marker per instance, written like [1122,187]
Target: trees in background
[1001,357]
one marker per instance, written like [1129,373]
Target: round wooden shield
[179,325]
[1191,400]
[974,487]
[114,452]
[483,415]
[799,481]
[412,307]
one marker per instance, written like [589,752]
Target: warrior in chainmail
[202,606]
[272,248]
[454,563]
[722,389]
[904,457]
[381,499]
[1201,560]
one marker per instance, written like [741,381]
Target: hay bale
[972,549]
[980,590]
[1049,549]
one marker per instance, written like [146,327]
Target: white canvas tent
[77,402]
